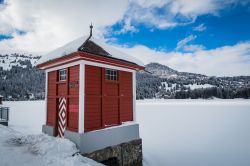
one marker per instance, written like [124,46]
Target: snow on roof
[75,44]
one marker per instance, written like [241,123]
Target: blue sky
[230,27]
[210,37]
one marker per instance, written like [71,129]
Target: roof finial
[91,27]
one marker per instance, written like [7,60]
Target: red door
[110,103]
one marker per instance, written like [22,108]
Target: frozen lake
[195,132]
[174,132]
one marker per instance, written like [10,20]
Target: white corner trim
[81,98]
[134,96]
[45,96]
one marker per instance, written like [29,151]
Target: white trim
[64,66]
[45,95]
[85,59]
[134,96]
[107,66]
[58,63]
[81,97]
[91,64]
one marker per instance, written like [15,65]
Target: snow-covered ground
[174,132]
[23,144]
[38,150]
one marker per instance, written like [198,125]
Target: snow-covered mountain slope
[164,82]
[16,58]
[19,79]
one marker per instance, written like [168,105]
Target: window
[111,75]
[62,75]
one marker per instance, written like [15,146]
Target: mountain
[20,80]
[164,82]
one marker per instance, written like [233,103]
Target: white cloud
[224,61]
[193,47]
[194,8]
[49,24]
[184,41]
[175,12]
[200,28]
[127,27]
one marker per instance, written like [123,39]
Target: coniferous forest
[20,80]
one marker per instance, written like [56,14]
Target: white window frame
[111,74]
[62,75]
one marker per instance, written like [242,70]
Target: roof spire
[91,27]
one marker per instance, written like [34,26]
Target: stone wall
[124,154]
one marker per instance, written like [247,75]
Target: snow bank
[75,44]
[38,150]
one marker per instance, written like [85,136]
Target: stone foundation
[5,123]
[124,154]
[116,146]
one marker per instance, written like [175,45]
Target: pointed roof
[90,45]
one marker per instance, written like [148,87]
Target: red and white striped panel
[61,117]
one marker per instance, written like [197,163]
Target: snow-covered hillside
[10,59]
[164,82]
[174,132]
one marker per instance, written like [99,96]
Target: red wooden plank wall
[73,98]
[51,98]
[93,98]
[68,89]
[126,96]
[107,103]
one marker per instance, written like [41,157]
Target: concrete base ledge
[5,123]
[48,130]
[99,139]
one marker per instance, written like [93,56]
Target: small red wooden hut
[89,86]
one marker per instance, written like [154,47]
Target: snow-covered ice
[174,132]
[26,116]
[195,132]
